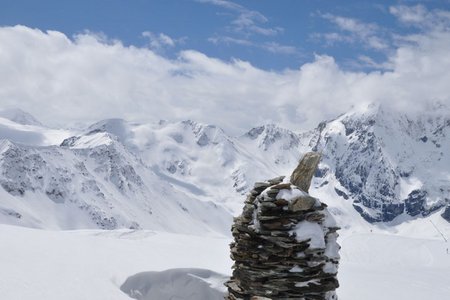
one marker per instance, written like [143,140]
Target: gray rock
[415,202]
[272,252]
[305,170]
[446,213]
[302,203]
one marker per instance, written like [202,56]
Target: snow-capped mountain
[19,116]
[21,127]
[190,177]
[390,164]
[203,161]
[93,181]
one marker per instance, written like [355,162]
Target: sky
[235,64]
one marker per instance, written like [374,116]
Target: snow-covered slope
[180,283]
[407,261]
[389,164]
[183,180]
[19,116]
[184,176]
[95,182]
[93,264]
[21,127]
[202,160]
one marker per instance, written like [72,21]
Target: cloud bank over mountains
[87,77]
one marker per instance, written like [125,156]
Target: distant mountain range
[190,177]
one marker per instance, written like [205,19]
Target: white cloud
[409,14]
[364,61]
[278,48]
[223,3]
[246,21]
[354,31]
[419,16]
[272,47]
[352,25]
[250,21]
[229,40]
[332,38]
[158,42]
[59,80]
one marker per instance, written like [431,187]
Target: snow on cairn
[285,241]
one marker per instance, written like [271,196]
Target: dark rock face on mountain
[386,162]
[414,204]
[271,134]
[285,242]
[446,213]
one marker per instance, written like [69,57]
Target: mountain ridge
[376,161]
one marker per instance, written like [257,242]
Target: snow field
[93,264]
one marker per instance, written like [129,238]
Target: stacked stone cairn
[285,241]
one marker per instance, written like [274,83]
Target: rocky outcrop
[415,202]
[285,242]
[377,154]
[304,172]
[446,213]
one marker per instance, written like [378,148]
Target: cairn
[285,241]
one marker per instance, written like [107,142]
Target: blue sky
[235,64]
[268,34]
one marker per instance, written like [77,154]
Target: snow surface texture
[311,231]
[406,261]
[93,264]
[182,284]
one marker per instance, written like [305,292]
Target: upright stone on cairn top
[285,241]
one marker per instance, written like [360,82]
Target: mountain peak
[91,140]
[115,126]
[269,134]
[266,129]
[386,159]
[19,116]
[5,145]
[205,133]
[197,126]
